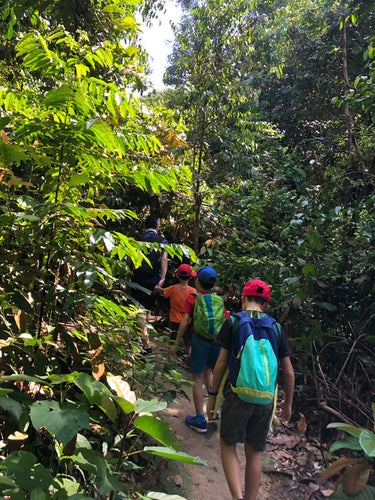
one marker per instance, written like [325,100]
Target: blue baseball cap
[206,274]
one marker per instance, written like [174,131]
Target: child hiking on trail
[207,312]
[177,295]
[252,346]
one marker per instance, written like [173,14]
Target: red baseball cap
[185,271]
[257,288]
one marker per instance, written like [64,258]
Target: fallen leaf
[121,387]
[283,454]
[355,478]
[301,425]
[98,370]
[285,440]
[177,480]
[337,466]
[314,486]
[4,137]
[18,436]
[95,427]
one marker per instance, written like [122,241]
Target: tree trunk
[198,151]
[348,116]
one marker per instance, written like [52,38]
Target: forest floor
[291,465]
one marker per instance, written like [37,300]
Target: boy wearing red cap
[177,295]
[243,422]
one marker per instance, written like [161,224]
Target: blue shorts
[203,353]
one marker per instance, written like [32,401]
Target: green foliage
[363,439]
[161,496]
[180,457]
[73,392]
[58,437]
[366,494]
[210,68]
[356,472]
[279,196]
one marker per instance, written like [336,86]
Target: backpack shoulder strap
[277,328]
[265,321]
[236,319]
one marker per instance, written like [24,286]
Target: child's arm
[164,267]
[158,289]
[223,339]
[288,386]
[219,371]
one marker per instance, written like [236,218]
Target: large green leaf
[90,460]
[110,307]
[12,154]
[21,302]
[125,406]
[327,306]
[158,429]
[7,483]
[25,378]
[12,406]
[92,388]
[149,406]
[157,495]
[309,269]
[63,422]
[350,429]
[315,239]
[368,493]
[78,180]
[367,441]
[68,485]
[37,476]
[179,456]
[97,393]
[58,98]
[38,494]
[350,442]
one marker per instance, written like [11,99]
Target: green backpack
[208,315]
[253,361]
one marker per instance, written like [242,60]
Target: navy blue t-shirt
[152,276]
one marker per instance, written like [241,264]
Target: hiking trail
[291,464]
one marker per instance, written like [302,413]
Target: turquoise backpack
[253,361]
[208,315]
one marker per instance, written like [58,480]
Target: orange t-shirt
[177,295]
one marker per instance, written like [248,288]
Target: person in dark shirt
[243,422]
[152,276]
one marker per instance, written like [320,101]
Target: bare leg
[170,353]
[198,392]
[232,471]
[253,472]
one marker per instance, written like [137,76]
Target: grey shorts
[242,422]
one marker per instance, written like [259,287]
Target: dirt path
[291,465]
[290,470]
